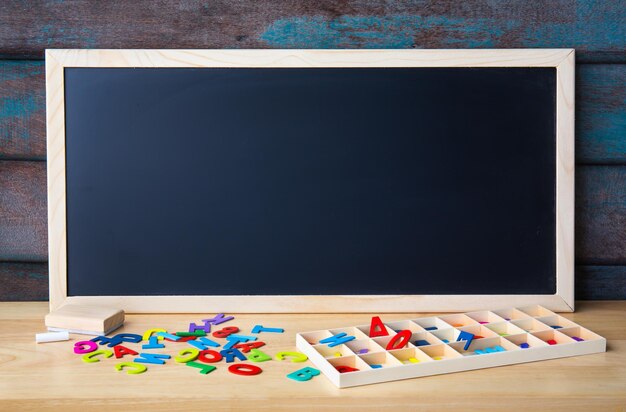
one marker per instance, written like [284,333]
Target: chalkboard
[310,181]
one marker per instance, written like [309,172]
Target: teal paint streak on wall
[16,106]
[597,24]
[593,24]
[19,69]
[601,113]
[606,141]
[395,31]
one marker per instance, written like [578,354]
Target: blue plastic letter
[156,358]
[337,339]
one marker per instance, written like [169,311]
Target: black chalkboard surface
[246,181]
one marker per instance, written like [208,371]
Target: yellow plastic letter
[90,357]
[132,367]
[187,355]
[149,332]
[297,357]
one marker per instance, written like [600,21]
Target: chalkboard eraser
[85,319]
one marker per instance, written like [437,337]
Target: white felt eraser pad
[51,337]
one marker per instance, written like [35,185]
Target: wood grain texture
[600,282]
[596,29]
[600,112]
[593,382]
[22,110]
[23,218]
[565,183]
[601,215]
[23,281]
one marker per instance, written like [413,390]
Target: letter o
[244,369]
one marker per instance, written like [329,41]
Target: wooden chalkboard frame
[561,59]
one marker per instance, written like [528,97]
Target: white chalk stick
[52,337]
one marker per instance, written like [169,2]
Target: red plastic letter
[120,351]
[344,369]
[403,336]
[214,356]
[229,330]
[377,328]
[245,347]
[244,369]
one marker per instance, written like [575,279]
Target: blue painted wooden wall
[596,29]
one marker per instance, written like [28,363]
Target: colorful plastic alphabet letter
[219,318]
[187,355]
[244,369]
[344,369]
[235,339]
[206,327]
[204,368]
[297,357]
[467,337]
[399,340]
[102,339]
[224,332]
[124,337]
[121,350]
[337,340]
[230,355]
[156,358]
[191,334]
[132,368]
[203,343]
[91,357]
[85,346]
[260,328]
[245,347]
[153,343]
[209,356]
[168,336]
[147,334]
[304,374]
[377,328]
[256,355]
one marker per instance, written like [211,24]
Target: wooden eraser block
[85,319]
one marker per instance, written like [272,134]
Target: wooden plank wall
[597,29]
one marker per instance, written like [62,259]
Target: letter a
[377,328]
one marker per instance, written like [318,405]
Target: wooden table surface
[51,376]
